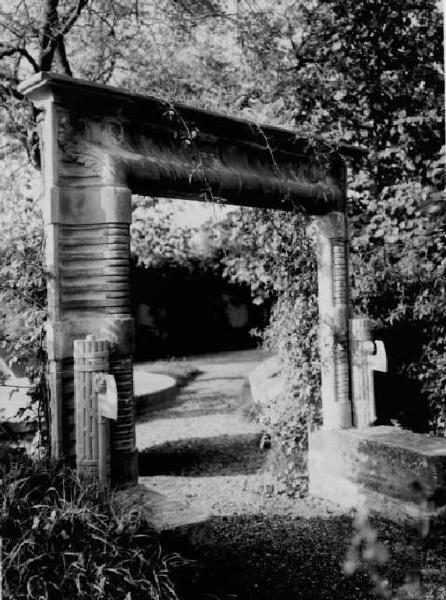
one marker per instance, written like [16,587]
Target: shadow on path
[261,557]
[200,457]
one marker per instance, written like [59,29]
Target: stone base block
[396,473]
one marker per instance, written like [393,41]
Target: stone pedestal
[396,473]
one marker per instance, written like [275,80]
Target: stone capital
[118,330]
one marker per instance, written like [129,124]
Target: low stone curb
[153,391]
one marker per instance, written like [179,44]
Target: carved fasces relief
[367,355]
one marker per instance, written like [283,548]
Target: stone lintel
[386,470]
[118,330]
[87,205]
[81,96]
[140,141]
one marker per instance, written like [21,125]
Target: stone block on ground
[266,381]
[390,471]
[163,513]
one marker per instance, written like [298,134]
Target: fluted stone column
[334,310]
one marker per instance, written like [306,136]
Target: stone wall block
[386,470]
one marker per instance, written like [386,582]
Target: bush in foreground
[66,538]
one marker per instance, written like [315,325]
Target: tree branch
[48,39]
[63,57]
[72,17]
[10,92]
[53,34]
[23,52]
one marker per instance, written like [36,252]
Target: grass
[65,538]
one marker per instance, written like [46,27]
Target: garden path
[203,450]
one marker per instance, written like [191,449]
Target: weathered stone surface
[110,136]
[99,145]
[394,472]
[266,381]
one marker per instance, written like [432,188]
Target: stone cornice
[160,149]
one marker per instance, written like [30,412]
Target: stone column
[88,258]
[334,311]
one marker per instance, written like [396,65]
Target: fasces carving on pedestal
[367,356]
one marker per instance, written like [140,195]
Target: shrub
[66,538]
[272,252]
[23,278]
[398,260]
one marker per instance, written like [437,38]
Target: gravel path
[204,452]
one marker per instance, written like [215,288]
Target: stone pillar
[88,257]
[334,311]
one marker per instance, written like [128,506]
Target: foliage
[66,538]
[368,73]
[399,265]
[108,42]
[275,257]
[157,241]
[23,281]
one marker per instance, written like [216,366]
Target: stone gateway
[101,144]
